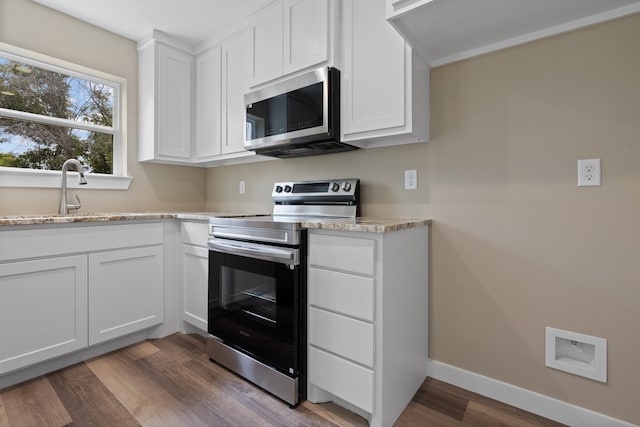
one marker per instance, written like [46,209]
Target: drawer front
[77,238]
[194,233]
[343,253]
[342,378]
[342,335]
[342,293]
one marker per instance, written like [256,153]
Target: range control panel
[314,189]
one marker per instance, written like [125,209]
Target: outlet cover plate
[576,353]
[411,179]
[588,172]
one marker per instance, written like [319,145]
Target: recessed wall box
[576,353]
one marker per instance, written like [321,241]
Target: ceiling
[441,31]
[191,22]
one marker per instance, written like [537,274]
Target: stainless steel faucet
[64,206]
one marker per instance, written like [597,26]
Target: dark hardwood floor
[171,382]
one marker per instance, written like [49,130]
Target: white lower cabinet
[126,291]
[340,377]
[194,266]
[43,310]
[367,320]
[65,288]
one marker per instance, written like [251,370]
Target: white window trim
[19,177]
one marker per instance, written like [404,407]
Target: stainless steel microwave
[296,117]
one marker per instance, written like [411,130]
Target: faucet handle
[72,206]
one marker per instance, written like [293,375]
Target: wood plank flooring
[171,382]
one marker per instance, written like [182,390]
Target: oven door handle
[268,253]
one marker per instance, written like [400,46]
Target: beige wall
[517,246]
[28,25]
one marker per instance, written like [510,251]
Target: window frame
[22,177]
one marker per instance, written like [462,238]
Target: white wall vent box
[576,353]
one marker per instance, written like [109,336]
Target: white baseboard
[527,400]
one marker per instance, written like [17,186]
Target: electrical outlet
[588,172]
[241,187]
[411,179]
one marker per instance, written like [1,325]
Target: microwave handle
[268,253]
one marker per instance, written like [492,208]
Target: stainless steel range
[257,284]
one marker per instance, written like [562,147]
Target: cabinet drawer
[342,378]
[341,335]
[343,293]
[77,238]
[194,233]
[342,253]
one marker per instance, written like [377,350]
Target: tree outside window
[48,115]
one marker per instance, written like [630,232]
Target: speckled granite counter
[367,225]
[112,216]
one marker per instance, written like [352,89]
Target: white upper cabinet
[192,106]
[208,103]
[235,82]
[265,28]
[165,98]
[222,76]
[289,36]
[385,86]
[306,34]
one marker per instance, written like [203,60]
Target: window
[51,111]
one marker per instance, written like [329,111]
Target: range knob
[287,189]
[335,187]
[346,186]
[278,189]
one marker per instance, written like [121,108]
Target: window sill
[14,177]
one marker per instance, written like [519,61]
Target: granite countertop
[111,216]
[364,224]
[367,225]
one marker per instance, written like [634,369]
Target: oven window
[250,293]
[252,297]
[255,306]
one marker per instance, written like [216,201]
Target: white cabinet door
[385,86]
[208,103]
[306,34]
[373,70]
[43,310]
[174,102]
[164,102]
[222,80]
[235,83]
[126,292]
[265,28]
[289,36]
[195,274]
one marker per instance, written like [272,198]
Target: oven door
[255,301]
